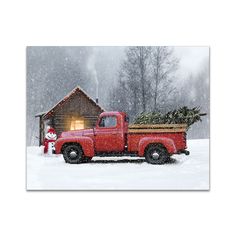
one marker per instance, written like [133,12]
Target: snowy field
[120,173]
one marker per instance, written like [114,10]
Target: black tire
[73,154]
[156,154]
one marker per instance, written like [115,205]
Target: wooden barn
[75,111]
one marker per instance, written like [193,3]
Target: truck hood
[76,133]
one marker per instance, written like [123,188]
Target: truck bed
[175,132]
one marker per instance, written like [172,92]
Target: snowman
[49,141]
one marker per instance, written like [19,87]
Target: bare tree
[128,76]
[119,96]
[135,72]
[164,64]
[142,57]
[145,79]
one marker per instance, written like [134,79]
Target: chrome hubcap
[155,155]
[73,154]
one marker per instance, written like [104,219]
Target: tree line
[148,82]
[145,80]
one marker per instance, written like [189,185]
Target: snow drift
[120,173]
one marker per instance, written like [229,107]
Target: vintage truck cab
[112,135]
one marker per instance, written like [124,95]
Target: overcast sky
[191,59]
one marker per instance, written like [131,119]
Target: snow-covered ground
[120,173]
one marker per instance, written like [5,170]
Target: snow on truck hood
[81,132]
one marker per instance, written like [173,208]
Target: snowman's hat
[51,130]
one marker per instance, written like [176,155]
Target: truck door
[109,135]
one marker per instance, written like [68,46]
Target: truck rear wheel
[73,154]
[156,154]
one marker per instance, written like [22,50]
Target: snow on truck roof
[110,113]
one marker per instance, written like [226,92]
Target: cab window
[108,121]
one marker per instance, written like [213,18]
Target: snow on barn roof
[40,114]
[67,97]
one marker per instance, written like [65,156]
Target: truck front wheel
[73,154]
[156,154]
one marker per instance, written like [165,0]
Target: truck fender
[86,144]
[166,142]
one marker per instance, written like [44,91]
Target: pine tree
[183,115]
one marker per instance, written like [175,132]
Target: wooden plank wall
[157,128]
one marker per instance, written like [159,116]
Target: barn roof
[75,91]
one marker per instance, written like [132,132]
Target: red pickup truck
[112,135]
